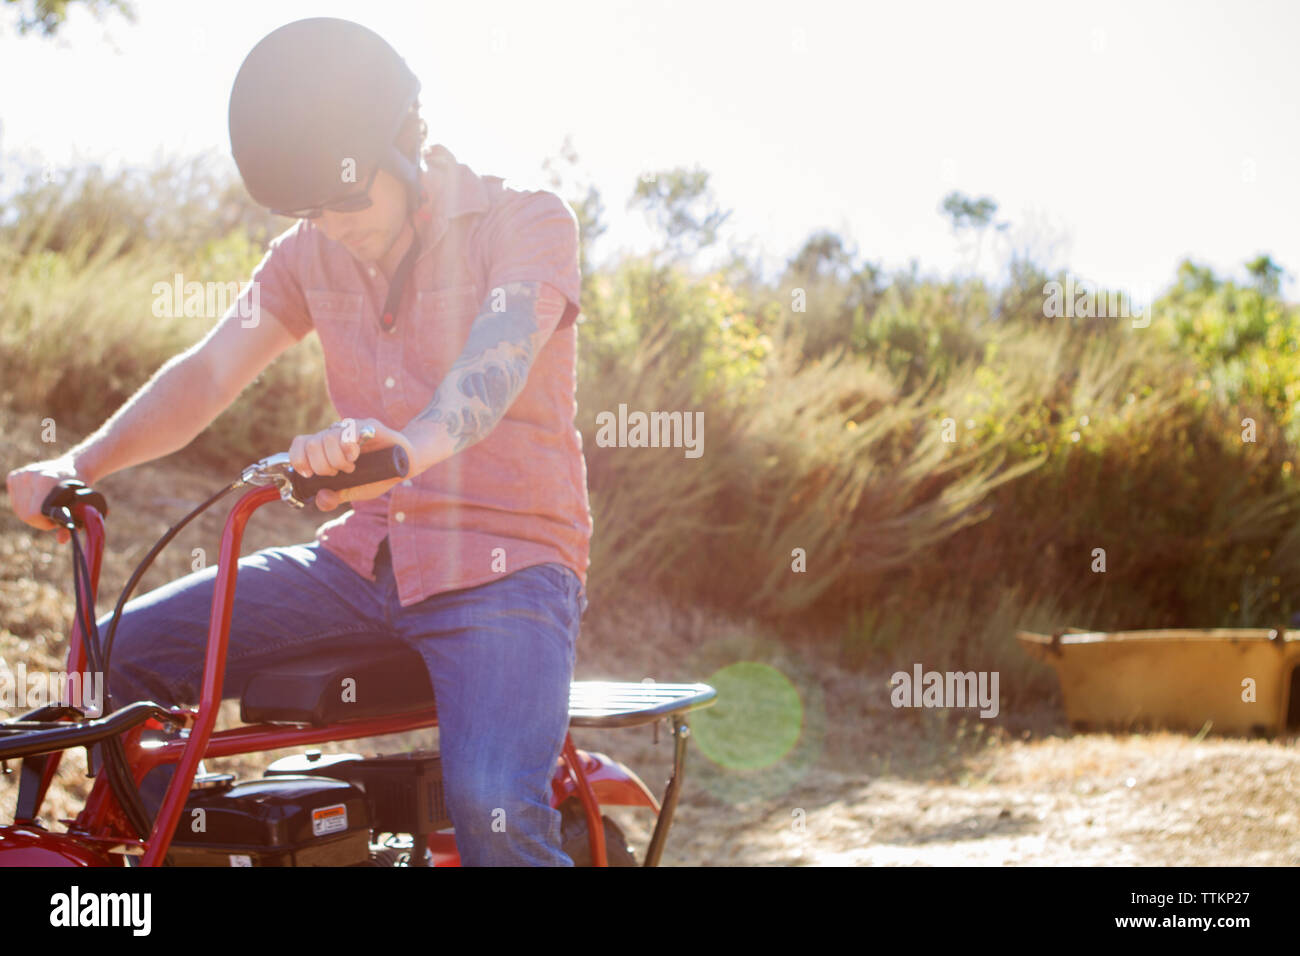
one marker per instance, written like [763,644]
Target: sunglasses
[353,203]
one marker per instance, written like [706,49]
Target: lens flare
[758,719]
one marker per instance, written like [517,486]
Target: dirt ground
[857,784]
[1083,801]
[881,790]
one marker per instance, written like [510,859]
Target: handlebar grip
[69,492]
[371,467]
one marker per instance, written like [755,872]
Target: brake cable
[115,763]
[143,566]
[119,776]
[80,579]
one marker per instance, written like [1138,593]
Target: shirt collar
[454,189]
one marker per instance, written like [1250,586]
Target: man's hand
[334,451]
[29,487]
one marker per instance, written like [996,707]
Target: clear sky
[1130,133]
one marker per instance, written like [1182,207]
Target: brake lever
[273,470]
[276,470]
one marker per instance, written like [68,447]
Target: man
[445,303]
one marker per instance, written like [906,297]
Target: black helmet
[311,96]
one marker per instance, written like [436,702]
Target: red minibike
[310,809]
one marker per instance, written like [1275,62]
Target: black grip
[370,467]
[68,493]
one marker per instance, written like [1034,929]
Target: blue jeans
[500,658]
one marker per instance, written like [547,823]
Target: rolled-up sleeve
[534,238]
[278,288]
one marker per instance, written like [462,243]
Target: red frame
[99,828]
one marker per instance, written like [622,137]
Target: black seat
[335,685]
[380,678]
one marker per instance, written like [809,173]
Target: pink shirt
[519,496]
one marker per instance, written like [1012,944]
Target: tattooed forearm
[492,368]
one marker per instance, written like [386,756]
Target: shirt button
[389,382]
[407,483]
[371,270]
[400,516]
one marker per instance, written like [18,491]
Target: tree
[967,213]
[839,296]
[47,16]
[1194,280]
[1266,274]
[823,252]
[972,215]
[681,204]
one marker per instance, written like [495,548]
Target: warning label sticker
[329,820]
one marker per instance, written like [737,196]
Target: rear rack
[607,704]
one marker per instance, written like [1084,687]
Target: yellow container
[1243,681]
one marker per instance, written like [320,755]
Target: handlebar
[20,738]
[64,507]
[294,488]
[373,466]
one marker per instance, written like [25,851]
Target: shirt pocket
[443,318]
[339,318]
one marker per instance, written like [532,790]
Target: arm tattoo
[491,370]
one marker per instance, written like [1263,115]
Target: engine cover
[404,792]
[278,821]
